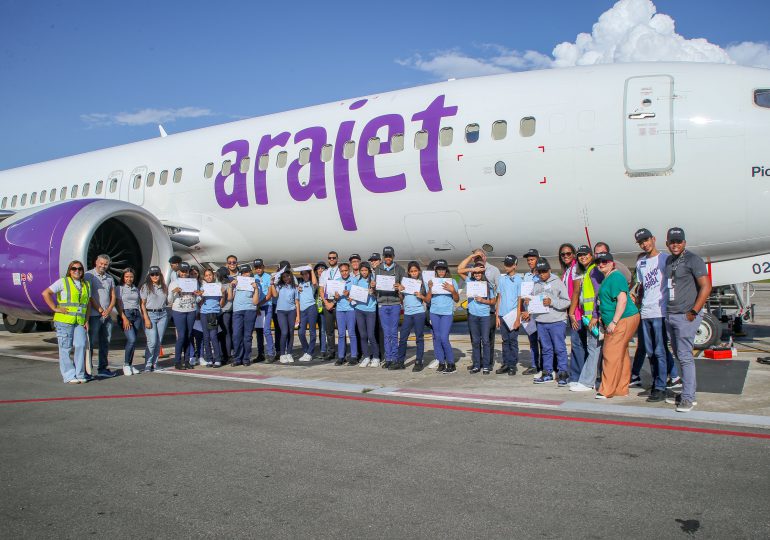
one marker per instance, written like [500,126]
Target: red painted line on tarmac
[459,408]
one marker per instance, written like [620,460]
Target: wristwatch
[693,313]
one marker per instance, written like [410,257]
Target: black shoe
[386,365]
[657,396]
[417,366]
[530,371]
[469,367]
[441,368]
[329,356]
[486,371]
[188,365]
[179,367]
[450,369]
[339,362]
[474,370]
[259,358]
[502,369]
[272,359]
[247,363]
[276,357]
[236,364]
[512,371]
[353,361]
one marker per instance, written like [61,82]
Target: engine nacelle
[36,246]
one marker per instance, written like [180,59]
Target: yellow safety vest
[587,292]
[75,301]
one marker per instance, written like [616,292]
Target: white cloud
[144,116]
[630,31]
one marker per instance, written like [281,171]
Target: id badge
[671,293]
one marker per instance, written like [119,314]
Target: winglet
[162,131]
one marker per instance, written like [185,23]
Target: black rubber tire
[17,326]
[43,326]
[708,333]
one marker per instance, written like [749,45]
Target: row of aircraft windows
[527,127]
[62,194]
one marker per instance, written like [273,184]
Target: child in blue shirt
[441,315]
[308,313]
[366,317]
[414,318]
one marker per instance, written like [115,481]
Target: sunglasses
[602,263]
[565,253]
[232,262]
[76,269]
[332,258]
[154,274]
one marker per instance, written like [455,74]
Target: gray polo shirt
[101,286]
[153,296]
[683,273]
[128,295]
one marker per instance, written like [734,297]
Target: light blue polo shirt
[371,304]
[343,304]
[477,308]
[443,304]
[287,296]
[412,304]
[210,304]
[264,281]
[242,300]
[510,291]
[306,295]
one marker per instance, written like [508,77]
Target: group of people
[598,301]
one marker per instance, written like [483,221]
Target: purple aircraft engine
[36,245]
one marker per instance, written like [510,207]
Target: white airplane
[507,162]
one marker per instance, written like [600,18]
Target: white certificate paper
[334,286]
[526,288]
[437,286]
[244,283]
[535,305]
[529,326]
[303,268]
[428,275]
[510,318]
[212,289]
[411,286]
[476,288]
[386,283]
[359,294]
[188,285]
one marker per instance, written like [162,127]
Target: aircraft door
[437,235]
[648,138]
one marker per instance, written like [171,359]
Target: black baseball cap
[642,234]
[542,265]
[154,270]
[675,234]
[175,259]
[284,264]
[604,257]
[510,260]
[244,268]
[375,257]
[366,265]
[584,250]
[354,256]
[440,263]
[258,263]
[222,272]
[388,251]
[184,267]
[320,264]
[532,253]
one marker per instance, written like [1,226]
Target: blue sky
[82,75]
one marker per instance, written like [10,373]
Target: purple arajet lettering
[431,122]
[239,195]
[342,177]
[317,183]
[366,170]
[260,177]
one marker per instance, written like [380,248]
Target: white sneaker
[571,383]
[289,359]
[127,371]
[135,371]
[201,361]
[305,358]
[537,375]
[364,362]
[433,365]
[577,387]
[374,362]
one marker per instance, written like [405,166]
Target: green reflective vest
[587,292]
[75,301]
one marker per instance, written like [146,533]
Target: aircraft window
[63,193]
[13,201]
[472,133]
[245,164]
[86,189]
[373,146]
[499,130]
[326,153]
[33,198]
[74,194]
[527,126]
[280,161]
[113,185]
[445,136]
[304,156]
[150,179]
[23,200]
[208,171]
[762,98]
[397,143]
[53,195]
[349,150]
[177,175]
[5,202]
[163,178]
[421,139]
[264,161]
[137,181]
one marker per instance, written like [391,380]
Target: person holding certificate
[366,315]
[481,296]
[413,296]
[264,333]
[536,363]
[507,315]
[441,315]
[213,298]
[551,324]
[307,291]
[245,295]
[346,317]
[287,312]
[388,276]
[331,273]
[184,307]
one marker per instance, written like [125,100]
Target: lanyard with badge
[672,280]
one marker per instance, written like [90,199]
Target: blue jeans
[682,334]
[154,336]
[389,321]
[654,343]
[71,336]
[346,323]
[578,350]
[442,324]
[212,351]
[643,351]
[266,336]
[321,324]
[100,330]
[243,327]
[134,317]
[534,348]
[414,322]
[553,339]
[307,321]
[593,353]
[183,320]
[366,322]
[196,343]
[286,320]
[510,345]
[226,335]
[479,327]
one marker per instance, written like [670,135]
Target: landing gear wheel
[708,332]
[17,326]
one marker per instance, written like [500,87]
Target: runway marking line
[367,399]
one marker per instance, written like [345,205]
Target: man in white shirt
[331,273]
